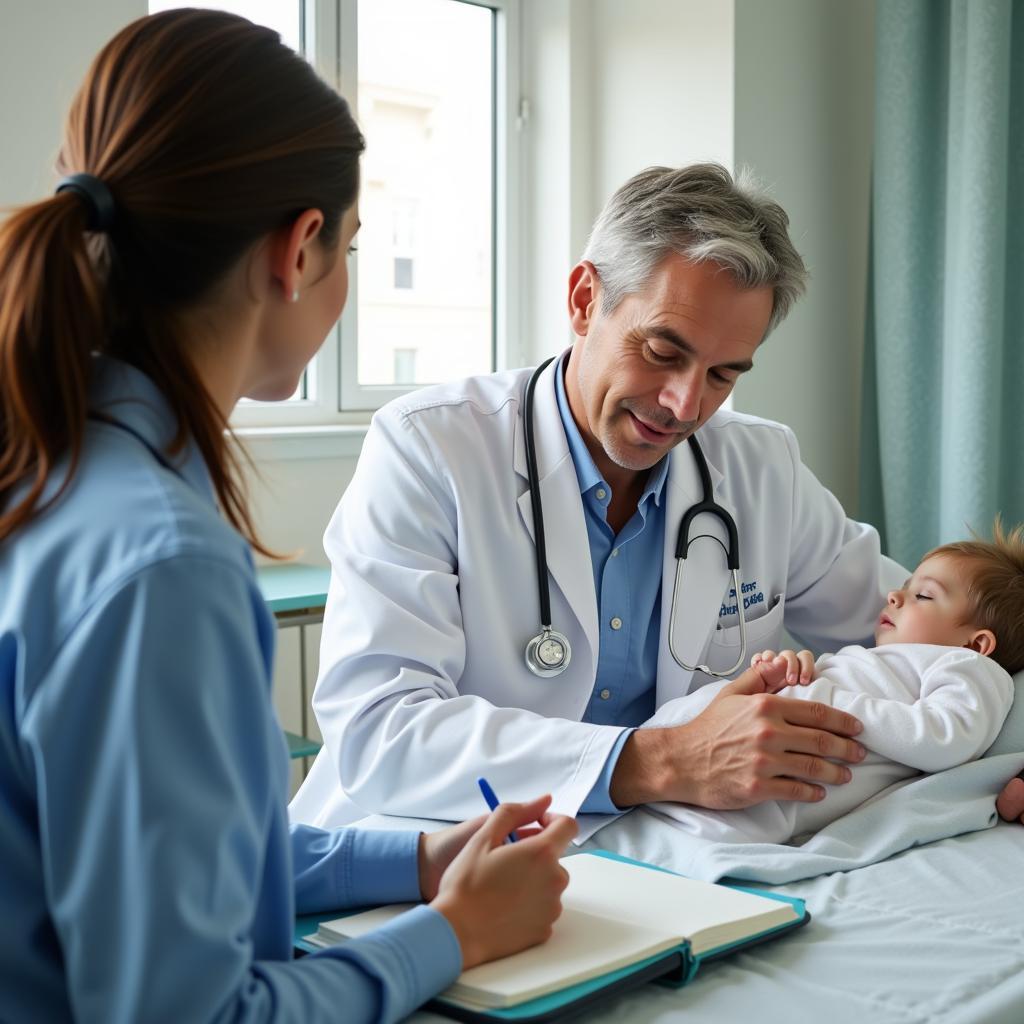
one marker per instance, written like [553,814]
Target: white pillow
[1011,737]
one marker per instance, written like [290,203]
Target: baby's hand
[799,667]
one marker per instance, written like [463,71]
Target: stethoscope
[549,652]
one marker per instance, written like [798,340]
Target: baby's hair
[995,591]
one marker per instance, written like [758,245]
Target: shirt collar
[587,473]
[125,394]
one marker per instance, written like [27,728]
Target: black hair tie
[97,197]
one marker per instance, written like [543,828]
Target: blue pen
[492,801]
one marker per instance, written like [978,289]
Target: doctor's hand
[503,897]
[1010,803]
[747,746]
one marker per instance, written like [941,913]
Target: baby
[933,693]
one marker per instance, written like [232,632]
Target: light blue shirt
[148,869]
[627,581]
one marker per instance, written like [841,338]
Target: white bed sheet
[934,935]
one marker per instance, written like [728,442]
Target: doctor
[434,588]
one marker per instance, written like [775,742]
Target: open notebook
[617,915]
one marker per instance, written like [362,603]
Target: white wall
[613,87]
[661,87]
[804,121]
[293,500]
[45,49]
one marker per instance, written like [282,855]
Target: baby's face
[930,608]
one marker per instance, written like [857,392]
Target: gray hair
[700,213]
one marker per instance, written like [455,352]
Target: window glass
[425,99]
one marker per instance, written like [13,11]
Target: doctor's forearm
[647,770]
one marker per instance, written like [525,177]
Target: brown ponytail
[51,308]
[210,134]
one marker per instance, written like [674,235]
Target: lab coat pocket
[765,631]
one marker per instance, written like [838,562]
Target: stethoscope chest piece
[548,653]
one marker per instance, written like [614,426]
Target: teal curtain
[942,444]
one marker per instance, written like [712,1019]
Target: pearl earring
[295,295]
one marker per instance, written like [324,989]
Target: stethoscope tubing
[540,549]
[707,505]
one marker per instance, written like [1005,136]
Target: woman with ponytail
[193,254]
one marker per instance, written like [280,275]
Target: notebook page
[581,947]
[709,915]
[359,924]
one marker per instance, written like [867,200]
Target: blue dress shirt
[627,581]
[149,872]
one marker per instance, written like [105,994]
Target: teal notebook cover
[694,962]
[675,967]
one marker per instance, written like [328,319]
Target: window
[426,88]
[405,366]
[403,273]
[433,84]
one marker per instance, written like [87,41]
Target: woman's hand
[501,897]
[439,849]
[799,666]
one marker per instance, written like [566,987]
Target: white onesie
[924,708]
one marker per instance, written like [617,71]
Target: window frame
[334,397]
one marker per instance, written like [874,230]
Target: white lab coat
[433,597]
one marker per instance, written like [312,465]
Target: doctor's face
[645,376]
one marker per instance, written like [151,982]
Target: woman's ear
[290,252]
[983,641]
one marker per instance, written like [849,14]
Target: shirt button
[605,694]
[601,493]
[616,623]
[615,552]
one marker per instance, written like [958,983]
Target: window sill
[271,444]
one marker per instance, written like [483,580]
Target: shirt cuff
[380,866]
[415,956]
[599,799]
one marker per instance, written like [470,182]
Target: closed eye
[923,597]
[660,357]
